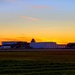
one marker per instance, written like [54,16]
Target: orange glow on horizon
[28,39]
[64,39]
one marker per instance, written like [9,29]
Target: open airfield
[35,62]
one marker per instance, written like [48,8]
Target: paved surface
[3,50]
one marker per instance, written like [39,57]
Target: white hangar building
[43,45]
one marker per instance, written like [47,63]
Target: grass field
[37,63]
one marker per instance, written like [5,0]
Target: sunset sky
[44,20]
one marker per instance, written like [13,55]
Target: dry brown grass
[53,56]
[37,62]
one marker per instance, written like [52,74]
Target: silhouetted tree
[71,45]
[32,40]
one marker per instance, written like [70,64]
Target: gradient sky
[44,20]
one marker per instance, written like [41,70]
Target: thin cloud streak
[42,7]
[30,18]
[7,39]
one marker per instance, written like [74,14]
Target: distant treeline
[71,45]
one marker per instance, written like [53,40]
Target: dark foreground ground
[37,62]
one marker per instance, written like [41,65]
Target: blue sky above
[50,8]
[39,16]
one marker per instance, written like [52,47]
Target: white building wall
[50,45]
[5,47]
[61,46]
[44,45]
